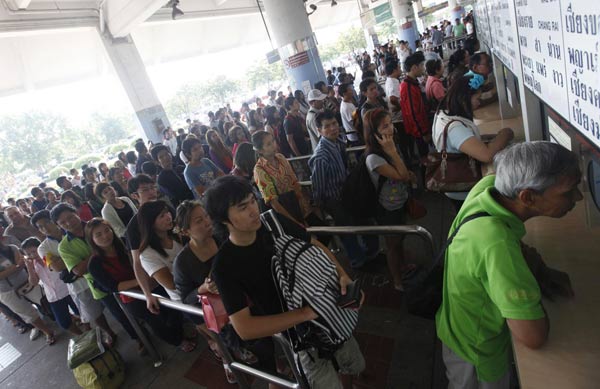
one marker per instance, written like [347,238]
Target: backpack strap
[270,221]
[412,107]
[441,255]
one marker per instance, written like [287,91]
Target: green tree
[32,140]
[350,40]
[187,99]
[219,90]
[387,30]
[263,74]
[112,127]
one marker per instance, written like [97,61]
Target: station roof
[45,43]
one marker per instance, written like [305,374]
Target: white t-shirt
[152,262]
[346,111]
[392,88]
[171,144]
[50,246]
[469,27]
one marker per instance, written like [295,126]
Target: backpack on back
[304,274]
[359,195]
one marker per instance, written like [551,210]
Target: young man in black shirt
[242,272]
[170,180]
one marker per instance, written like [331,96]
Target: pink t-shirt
[434,89]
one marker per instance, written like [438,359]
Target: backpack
[359,195]
[106,371]
[296,265]
[94,366]
[424,287]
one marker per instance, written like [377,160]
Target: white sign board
[539,25]
[504,33]
[581,36]
[482,23]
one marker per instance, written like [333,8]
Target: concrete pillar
[292,34]
[418,7]
[371,38]
[131,71]
[405,19]
[456,11]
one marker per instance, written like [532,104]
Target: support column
[292,34]
[131,71]
[418,7]
[405,19]
[456,11]
[371,38]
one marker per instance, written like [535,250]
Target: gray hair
[532,165]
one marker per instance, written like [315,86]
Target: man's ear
[527,197]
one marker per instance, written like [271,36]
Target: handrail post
[228,360]
[289,355]
[154,354]
[236,367]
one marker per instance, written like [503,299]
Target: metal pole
[236,367]
[142,335]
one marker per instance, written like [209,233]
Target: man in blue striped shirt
[328,166]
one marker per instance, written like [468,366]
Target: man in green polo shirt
[493,282]
[75,253]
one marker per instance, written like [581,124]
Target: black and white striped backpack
[304,274]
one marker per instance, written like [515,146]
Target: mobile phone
[352,297]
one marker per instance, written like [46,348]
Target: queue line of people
[142,241]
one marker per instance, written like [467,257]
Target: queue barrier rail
[237,367]
[348,150]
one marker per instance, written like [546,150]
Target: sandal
[187,346]
[50,339]
[21,329]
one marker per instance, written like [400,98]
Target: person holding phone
[384,160]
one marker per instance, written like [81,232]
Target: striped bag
[304,274]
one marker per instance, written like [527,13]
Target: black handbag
[424,286]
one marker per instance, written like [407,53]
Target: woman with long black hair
[456,112]
[113,272]
[391,177]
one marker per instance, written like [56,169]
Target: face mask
[476,81]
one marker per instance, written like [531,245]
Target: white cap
[316,94]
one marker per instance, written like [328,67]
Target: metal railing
[348,150]
[416,230]
[236,367]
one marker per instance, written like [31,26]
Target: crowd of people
[181,218]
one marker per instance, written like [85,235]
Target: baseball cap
[316,94]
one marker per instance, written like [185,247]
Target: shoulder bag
[450,172]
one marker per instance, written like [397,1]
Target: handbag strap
[445,136]
[467,219]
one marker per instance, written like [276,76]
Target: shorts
[385,217]
[321,373]
[19,305]
[89,308]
